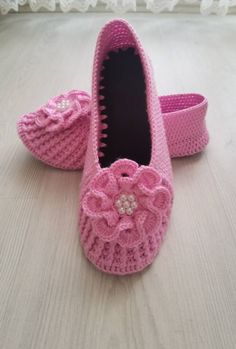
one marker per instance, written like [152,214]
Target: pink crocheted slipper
[57,132]
[126,192]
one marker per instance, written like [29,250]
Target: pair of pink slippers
[123,136]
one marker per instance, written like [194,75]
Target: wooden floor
[51,297]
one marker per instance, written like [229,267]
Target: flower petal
[162,199]
[76,94]
[104,231]
[124,168]
[81,101]
[70,116]
[151,222]
[105,182]
[166,184]
[95,204]
[129,235]
[54,116]
[41,119]
[158,202]
[148,180]
[126,183]
[112,217]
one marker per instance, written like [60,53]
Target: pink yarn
[184,120]
[102,228]
[62,142]
[57,132]
[122,219]
[126,209]
[62,111]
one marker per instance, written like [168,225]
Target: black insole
[123,87]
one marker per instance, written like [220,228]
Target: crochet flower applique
[125,202]
[62,111]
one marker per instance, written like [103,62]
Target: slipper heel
[185,125]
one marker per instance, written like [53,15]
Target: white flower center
[63,104]
[126,204]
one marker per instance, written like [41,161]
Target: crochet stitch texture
[57,132]
[184,117]
[62,142]
[126,209]
[115,241]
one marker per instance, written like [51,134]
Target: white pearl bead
[134,204]
[121,210]
[131,197]
[129,211]
[126,204]
[63,104]
[118,203]
[123,197]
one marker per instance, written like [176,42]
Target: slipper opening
[125,125]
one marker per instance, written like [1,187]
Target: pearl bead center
[126,204]
[63,104]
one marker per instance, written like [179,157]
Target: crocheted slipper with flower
[126,192]
[57,132]
[61,141]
